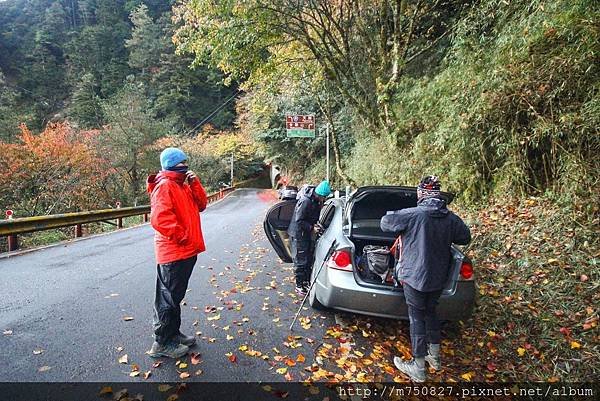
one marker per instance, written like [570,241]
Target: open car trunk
[363,216]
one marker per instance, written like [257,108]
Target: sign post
[231,172]
[327,151]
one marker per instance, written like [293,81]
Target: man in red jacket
[177,198]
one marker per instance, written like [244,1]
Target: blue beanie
[171,157]
[323,189]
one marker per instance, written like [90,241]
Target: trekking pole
[314,280]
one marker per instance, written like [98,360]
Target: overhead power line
[214,112]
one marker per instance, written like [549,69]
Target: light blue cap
[171,157]
[323,189]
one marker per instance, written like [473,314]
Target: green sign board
[300,133]
[300,126]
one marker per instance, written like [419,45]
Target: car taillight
[340,260]
[466,270]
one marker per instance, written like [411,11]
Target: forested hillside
[61,59]
[101,82]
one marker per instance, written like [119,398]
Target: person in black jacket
[427,233]
[302,226]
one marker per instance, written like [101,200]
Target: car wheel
[313,301]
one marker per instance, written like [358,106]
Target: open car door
[276,224]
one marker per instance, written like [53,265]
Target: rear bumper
[338,290]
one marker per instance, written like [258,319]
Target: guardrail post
[78,231]
[13,242]
[145,217]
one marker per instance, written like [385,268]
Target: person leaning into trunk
[302,226]
[427,233]
[176,198]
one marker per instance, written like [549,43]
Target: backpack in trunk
[379,260]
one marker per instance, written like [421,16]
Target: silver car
[343,282]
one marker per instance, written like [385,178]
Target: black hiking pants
[302,255]
[171,284]
[424,324]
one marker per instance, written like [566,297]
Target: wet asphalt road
[70,300]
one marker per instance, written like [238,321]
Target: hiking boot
[185,340]
[301,290]
[170,350]
[415,369]
[433,356]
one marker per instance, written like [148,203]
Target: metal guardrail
[14,226]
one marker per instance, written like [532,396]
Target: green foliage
[85,108]
[145,44]
[360,47]
[48,48]
[9,118]
[209,154]
[132,129]
[507,102]
[515,107]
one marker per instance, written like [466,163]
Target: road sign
[300,126]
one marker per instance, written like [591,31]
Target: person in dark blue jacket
[301,229]
[427,233]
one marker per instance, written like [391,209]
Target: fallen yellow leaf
[281,371]
[575,345]
[468,376]
[521,351]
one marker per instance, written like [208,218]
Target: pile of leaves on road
[537,267]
